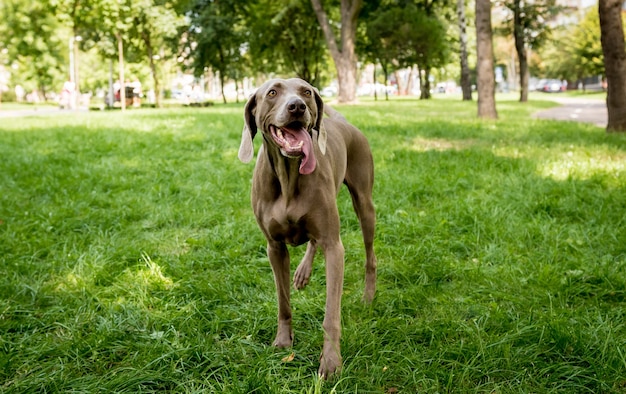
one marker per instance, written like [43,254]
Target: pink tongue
[309,162]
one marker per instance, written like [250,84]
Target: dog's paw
[330,364]
[284,338]
[302,275]
[368,295]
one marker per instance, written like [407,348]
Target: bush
[8,96]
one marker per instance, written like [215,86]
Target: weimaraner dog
[300,168]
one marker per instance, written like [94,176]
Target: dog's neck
[286,170]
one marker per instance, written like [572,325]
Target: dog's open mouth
[295,141]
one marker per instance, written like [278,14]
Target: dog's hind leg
[360,184]
[364,208]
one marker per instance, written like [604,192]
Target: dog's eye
[308,93]
[271,93]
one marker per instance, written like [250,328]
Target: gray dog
[300,168]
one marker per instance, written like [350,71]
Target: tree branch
[322,18]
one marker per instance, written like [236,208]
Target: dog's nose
[296,106]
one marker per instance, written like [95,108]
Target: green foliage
[574,52]
[216,38]
[132,263]
[404,35]
[533,17]
[410,36]
[586,46]
[29,33]
[285,37]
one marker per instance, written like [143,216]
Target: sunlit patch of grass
[132,262]
[439,144]
[580,165]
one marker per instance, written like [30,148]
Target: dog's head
[287,112]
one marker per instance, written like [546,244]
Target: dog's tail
[332,113]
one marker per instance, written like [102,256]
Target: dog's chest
[287,223]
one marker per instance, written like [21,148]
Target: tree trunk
[384,67]
[419,77]
[612,38]
[153,70]
[374,78]
[111,98]
[410,79]
[466,84]
[425,93]
[484,67]
[222,86]
[520,47]
[120,53]
[343,53]
[76,76]
[400,82]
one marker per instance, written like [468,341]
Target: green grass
[131,261]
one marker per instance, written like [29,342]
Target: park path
[36,111]
[578,109]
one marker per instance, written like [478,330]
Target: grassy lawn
[131,261]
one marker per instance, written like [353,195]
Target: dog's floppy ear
[322,136]
[246,149]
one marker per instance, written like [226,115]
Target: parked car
[550,86]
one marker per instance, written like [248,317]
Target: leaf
[288,358]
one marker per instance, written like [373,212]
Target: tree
[217,34]
[299,49]
[342,51]
[414,38]
[153,24]
[586,49]
[612,36]
[34,43]
[118,19]
[376,48]
[530,30]
[486,82]
[574,52]
[466,85]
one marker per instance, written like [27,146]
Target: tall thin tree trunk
[425,93]
[386,80]
[484,48]
[612,38]
[111,99]
[466,84]
[520,47]
[222,86]
[374,78]
[120,53]
[155,77]
[419,77]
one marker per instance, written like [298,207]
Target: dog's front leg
[303,272]
[330,361]
[279,259]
